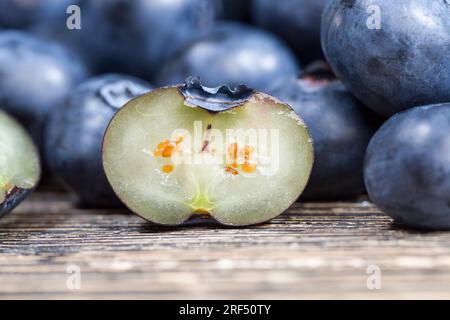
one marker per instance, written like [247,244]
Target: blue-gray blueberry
[35,77]
[22,14]
[232,54]
[407,167]
[392,55]
[132,37]
[340,126]
[295,21]
[74,135]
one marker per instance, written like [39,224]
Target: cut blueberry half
[237,156]
[19,164]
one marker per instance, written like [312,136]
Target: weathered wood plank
[315,250]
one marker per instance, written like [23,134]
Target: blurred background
[147,38]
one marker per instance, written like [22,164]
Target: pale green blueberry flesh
[19,163]
[152,144]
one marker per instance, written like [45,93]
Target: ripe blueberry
[75,131]
[295,21]
[392,55]
[133,37]
[232,54]
[340,127]
[237,156]
[35,77]
[407,167]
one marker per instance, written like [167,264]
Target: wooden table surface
[314,250]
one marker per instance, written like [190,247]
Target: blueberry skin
[20,14]
[236,10]
[16,14]
[295,21]
[407,167]
[74,135]
[341,129]
[232,54]
[35,77]
[403,64]
[132,36]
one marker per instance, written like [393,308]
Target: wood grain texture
[314,250]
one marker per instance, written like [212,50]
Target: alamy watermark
[248,147]
[73,21]
[73,281]
[374,20]
[374,278]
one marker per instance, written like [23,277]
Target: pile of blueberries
[378,109]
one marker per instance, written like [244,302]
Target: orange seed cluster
[246,153]
[166,149]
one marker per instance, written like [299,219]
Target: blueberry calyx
[118,93]
[214,100]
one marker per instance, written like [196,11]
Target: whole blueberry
[74,135]
[393,55]
[340,127]
[131,36]
[35,77]
[295,21]
[232,54]
[407,167]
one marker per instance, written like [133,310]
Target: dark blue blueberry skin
[132,36]
[295,21]
[340,127]
[403,64]
[16,14]
[74,135]
[236,10]
[407,167]
[20,14]
[232,54]
[35,77]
